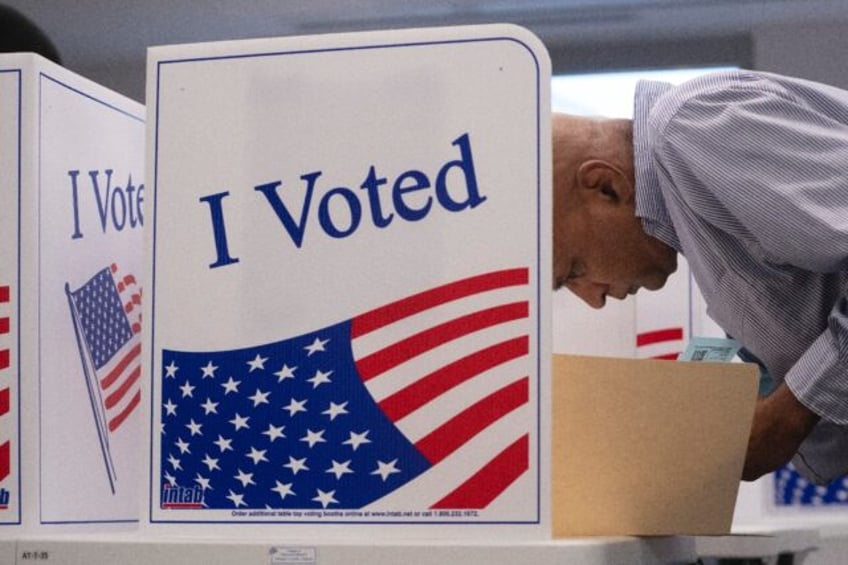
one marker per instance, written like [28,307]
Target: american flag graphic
[106,312]
[436,384]
[5,387]
[791,489]
[662,343]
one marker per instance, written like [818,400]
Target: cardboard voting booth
[348,282]
[648,447]
[71,216]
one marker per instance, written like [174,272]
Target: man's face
[600,251]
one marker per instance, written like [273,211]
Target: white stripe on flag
[406,373]
[411,325]
[6,396]
[435,413]
[122,395]
[120,377]
[428,488]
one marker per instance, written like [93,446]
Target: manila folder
[648,447]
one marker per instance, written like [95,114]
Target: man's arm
[780,424]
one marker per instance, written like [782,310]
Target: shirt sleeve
[770,167]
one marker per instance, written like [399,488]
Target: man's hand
[780,425]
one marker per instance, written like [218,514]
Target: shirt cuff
[819,380]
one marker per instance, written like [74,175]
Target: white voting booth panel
[71,194]
[349,269]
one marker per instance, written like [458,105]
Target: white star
[172,480]
[257,363]
[285,373]
[257,455]
[259,397]
[203,482]
[209,407]
[240,421]
[170,408]
[313,437]
[357,439]
[273,432]
[325,498]
[320,378]
[175,463]
[187,389]
[335,410]
[340,469]
[244,478]
[296,465]
[296,406]
[237,499]
[171,370]
[283,490]
[230,386]
[317,345]
[182,445]
[211,463]
[223,444]
[209,370]
[194,428]
[386,469]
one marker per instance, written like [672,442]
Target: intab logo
[182,498]
[5,496]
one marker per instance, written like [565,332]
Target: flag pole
[92,391]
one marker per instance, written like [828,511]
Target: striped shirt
[746,175]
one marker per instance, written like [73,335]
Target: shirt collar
[650,203]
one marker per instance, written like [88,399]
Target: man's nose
[592,293]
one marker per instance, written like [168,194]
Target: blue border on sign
[152,293]
[42,76]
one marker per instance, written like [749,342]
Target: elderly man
[746,175]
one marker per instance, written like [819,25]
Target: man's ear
[608,181]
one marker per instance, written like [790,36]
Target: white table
[765,544]
[138,550]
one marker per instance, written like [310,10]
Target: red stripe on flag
[667,356]
[451,435]
[5,402]
[416,303]
[4,293]
[658,336]
[182,505]
[5,460]
[404,350]
[116,372]
[489,482]
[115,422]
[4,359]
[119,393]
[409,399]
[4,325]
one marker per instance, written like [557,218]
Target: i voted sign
[348,272]
[339,212]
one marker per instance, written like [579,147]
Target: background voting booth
[71,215]
[346,318]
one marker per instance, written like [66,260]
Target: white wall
[816,52]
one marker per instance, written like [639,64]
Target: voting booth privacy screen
[71,217]
[349,271]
